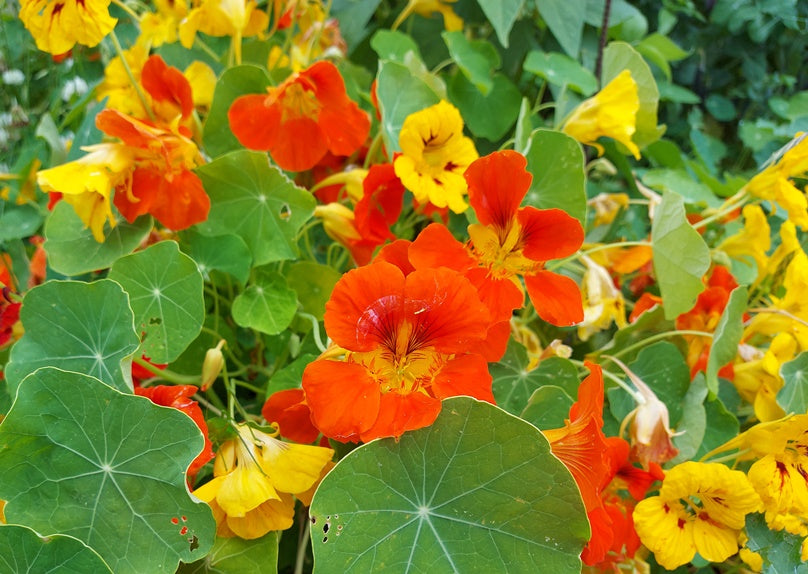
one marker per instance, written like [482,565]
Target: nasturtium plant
[23,550]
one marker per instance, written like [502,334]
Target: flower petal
[557,298]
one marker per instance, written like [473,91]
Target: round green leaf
[234,82]
[256,201]
[561,70]
[227,253]
[72,249]
[502,14]
[23,550]
[488,116]
[82,327]
[313,283]
[238,556]
[793,397]
[475,58]
[393,45]
[165,291]
[557,163]
[267,305]
[108,468]
[548,407]
[18,221]
[478,491]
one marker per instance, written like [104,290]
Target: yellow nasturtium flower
[612,113]
[753,241]
[434,156]
[701,508]
[451,21]
[775,182]
[58,25]
[162,27]
[255,478]
[117,87]
[603,302]
[235,18]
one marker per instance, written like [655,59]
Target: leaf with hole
[165,292]
[108,468]
[478,491]
[82,327]
[237,556]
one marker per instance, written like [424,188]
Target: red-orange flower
[288,409]
[179,397]
[403,341]
[299,121]
[509,241]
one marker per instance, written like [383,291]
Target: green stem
[315,329]
[165,374]
[729,206]
[205,403]
[595,249]
[373,149]
[247,385]
[135,84]
[659,337]
[612,377]
[302,546]
[127,9]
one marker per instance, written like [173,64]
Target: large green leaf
[475,58]
[566,21]
[82,327]
[393,45]
[619,56]
[313,284]
[502,14]
[234,82]
[548,407]
[18,221]
[693,424]
[72,249]
[681,258]
[238,556]
[267,305]
[23,550]
[256,201]
[108,468]
[165,291]
[353,16]
[402,93]
[227,253]
[478,491]
[793,397]
[728,334]
[557,163]
[780,550]
[561,70]
[722,426]
[488,116]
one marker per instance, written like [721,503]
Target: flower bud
[214,361]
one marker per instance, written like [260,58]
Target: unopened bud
[214,361]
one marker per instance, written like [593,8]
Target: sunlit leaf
[165,292]
[557,164]
[267,305]
[681,258]
[108,468]
[256,201]
[478,491]
[23,550]
[82,327]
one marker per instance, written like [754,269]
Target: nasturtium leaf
[681,258]
[524,127]
[267,305]
[402,93]
[82,327]
[557,163]
[165,292]
[393,45]
[793,397]
[648,323]
[722,426]
[23,550]
[313,284]
[566,21]
[72,249]
[238,556]
[547,407]
[477,491]
[502,15]
[514,384]
[353,17]
[228,253]
[83,459]
[475,58]
[680,182]
[727,336]
[487,116]
[256,201]
[18,221]
[561,70]
[693,424]
[290,376]
[619,56]
[234,82]
[780,550]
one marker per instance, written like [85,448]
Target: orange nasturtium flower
[434,155]
[701,508]
[507,242]
[58,25]
[403,343]
[612,113]
[254,479]
[308,115]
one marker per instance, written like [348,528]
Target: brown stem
[604,30]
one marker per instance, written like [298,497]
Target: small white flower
[74,87]
[13,77]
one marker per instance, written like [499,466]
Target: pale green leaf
[566,21]
[727,336]
[502,14]
[561,70]
[476,59]
[780,550]
[681,182]
[267,305]
[793,397]
[23,550]
[557,164]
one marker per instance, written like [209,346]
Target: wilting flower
[58,25]
[701,508]
[775,182]
[255,478]
[612,112]
[603,301]
[508,241]
[179,397]
[434,156]
[308,115]
[403,342]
